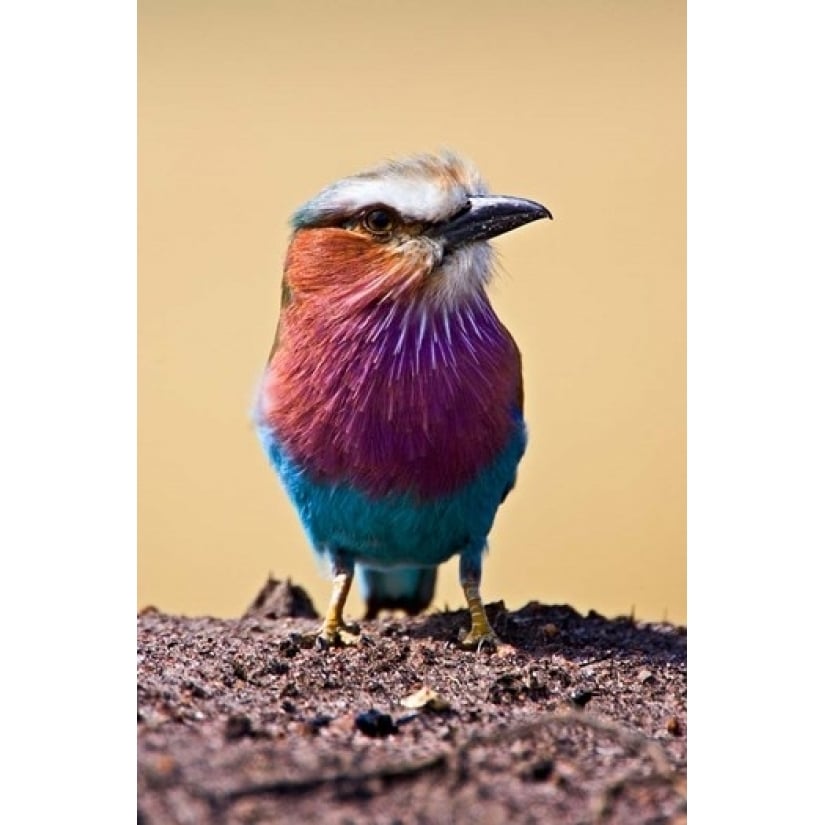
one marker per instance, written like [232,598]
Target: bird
[391,404]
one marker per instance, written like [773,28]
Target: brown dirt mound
[579,719]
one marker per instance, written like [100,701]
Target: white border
[755,408]
[68,348]
[756,458]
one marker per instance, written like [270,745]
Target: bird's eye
[379,221]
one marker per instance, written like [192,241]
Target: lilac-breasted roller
[391,405]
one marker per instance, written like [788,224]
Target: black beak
[484,218]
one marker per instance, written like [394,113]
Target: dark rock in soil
[282,600]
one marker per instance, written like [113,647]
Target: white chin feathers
[462,274]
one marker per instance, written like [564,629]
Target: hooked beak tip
[484,218]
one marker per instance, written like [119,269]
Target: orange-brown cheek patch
[338,262]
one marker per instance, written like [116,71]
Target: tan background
[247,108]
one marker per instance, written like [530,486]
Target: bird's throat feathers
[380,383]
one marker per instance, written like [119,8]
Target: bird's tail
[403,588]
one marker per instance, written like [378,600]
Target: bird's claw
[342,635]
[475,639]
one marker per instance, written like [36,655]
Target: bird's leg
[334,630]
[469,574]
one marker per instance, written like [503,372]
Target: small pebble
[238,726]
[581,697]
[426,697]
[373,723]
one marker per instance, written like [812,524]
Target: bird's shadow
[542,630]
[537,630]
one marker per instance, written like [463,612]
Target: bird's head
[411,229]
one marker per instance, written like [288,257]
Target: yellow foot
[342,635]
[481,634]
[479,638]
[335,632]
